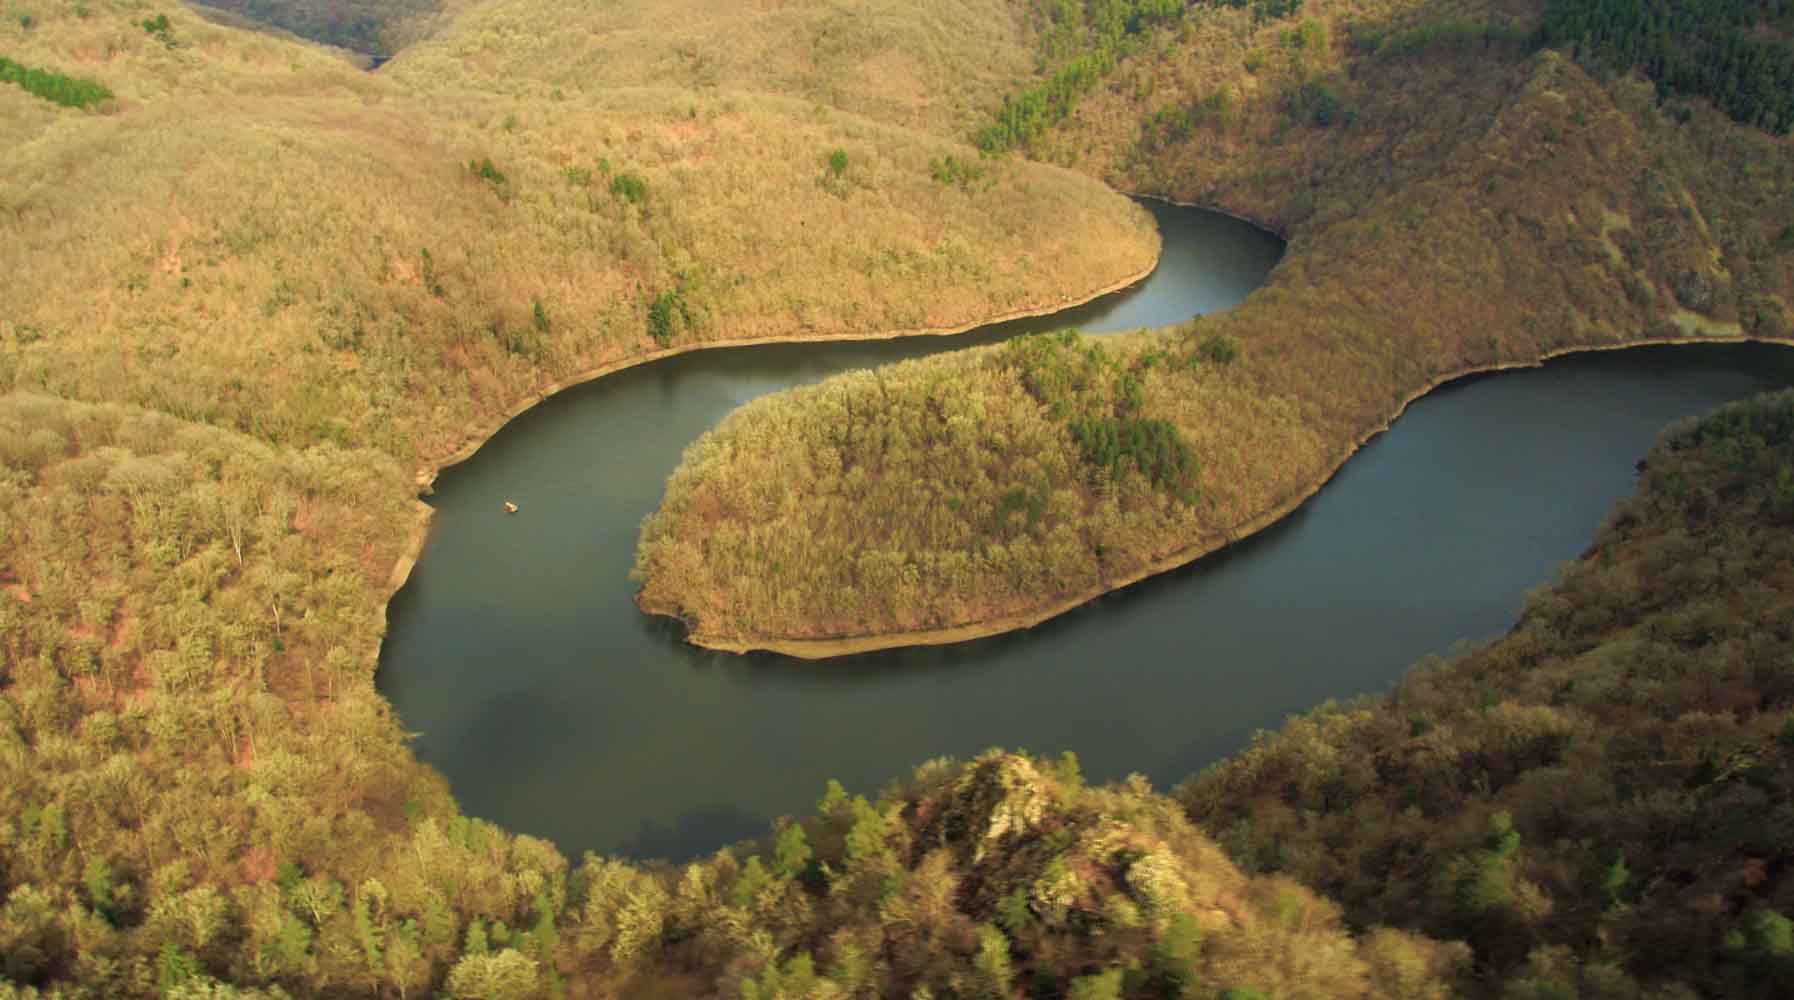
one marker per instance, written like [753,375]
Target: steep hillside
[191,819]
[1604,795]
[939,66]
[149,55]
[318,256]
[1002,877]
[1452,206]
[186,622]
[372,28]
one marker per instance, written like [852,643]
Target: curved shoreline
[824,647]
[426,475]
[1258,224]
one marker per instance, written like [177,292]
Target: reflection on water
[556,709]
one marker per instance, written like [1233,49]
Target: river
[556,709]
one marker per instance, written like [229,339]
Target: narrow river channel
[556,709]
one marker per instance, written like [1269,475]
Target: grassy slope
[302,254]
[1636,726]
[368,28]
[937,66]
[1484,208]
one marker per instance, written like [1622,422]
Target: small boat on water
[510,508]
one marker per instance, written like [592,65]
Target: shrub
[1316,103]
[159,29]
[1271,10]
[1218,350]
[951,169]
[630,188]
[667,314]
[837,163]
[426,271]
[522,343]
[68,91]
[484,169]
[1452,36]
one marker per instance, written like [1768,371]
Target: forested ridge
[1600,802]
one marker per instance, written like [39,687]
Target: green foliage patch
[1719,49]
[963,174]
[375,28]
[668,314]
[57,88]
[1155,447]
[627,187]
[1218,349]
[160,29]
[1099,400]
[1086,41]
[1087,37]
[1315,102]
[1457,35]
[486,170]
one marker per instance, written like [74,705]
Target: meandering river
[556,709]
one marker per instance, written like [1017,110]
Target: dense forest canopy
[1736,52]
[1601,799]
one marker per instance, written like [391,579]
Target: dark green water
[556,709]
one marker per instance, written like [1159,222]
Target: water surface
[556,709]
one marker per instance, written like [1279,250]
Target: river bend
[557,709]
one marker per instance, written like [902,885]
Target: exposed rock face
[1159,886]
[1000,796]
[1694,290]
